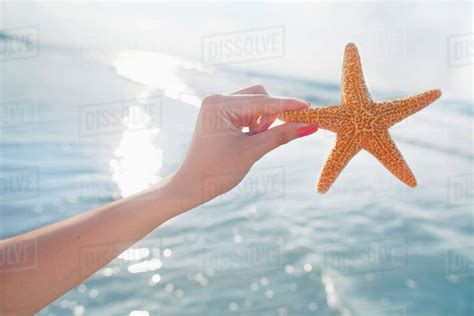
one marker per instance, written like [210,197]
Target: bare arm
[220,154]
[65,253]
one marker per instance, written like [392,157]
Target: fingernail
[307,130]
[265,127]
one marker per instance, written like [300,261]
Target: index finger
[257,89]
[261,104]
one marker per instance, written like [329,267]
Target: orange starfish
[361,123]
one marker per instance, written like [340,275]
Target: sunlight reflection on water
[158,71]
[137,160]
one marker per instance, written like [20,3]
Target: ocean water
[271,246]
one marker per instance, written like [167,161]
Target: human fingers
[257,89]
[280,135]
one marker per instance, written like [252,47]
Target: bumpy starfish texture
[361,123]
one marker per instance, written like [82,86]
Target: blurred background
[98,100]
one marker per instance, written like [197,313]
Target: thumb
[280,135]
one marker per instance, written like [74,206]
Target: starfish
[361,123]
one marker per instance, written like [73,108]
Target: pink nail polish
[307,130]
[265,127]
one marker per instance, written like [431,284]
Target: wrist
[177,194]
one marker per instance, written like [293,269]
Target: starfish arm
[331,118]
[392,112]
[382,147]
[347,146]
[354,90]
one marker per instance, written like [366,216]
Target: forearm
[70,251]
[218,158]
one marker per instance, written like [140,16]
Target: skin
[219,157]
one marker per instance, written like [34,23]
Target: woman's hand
[221,154]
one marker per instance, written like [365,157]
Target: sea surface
[79,131]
